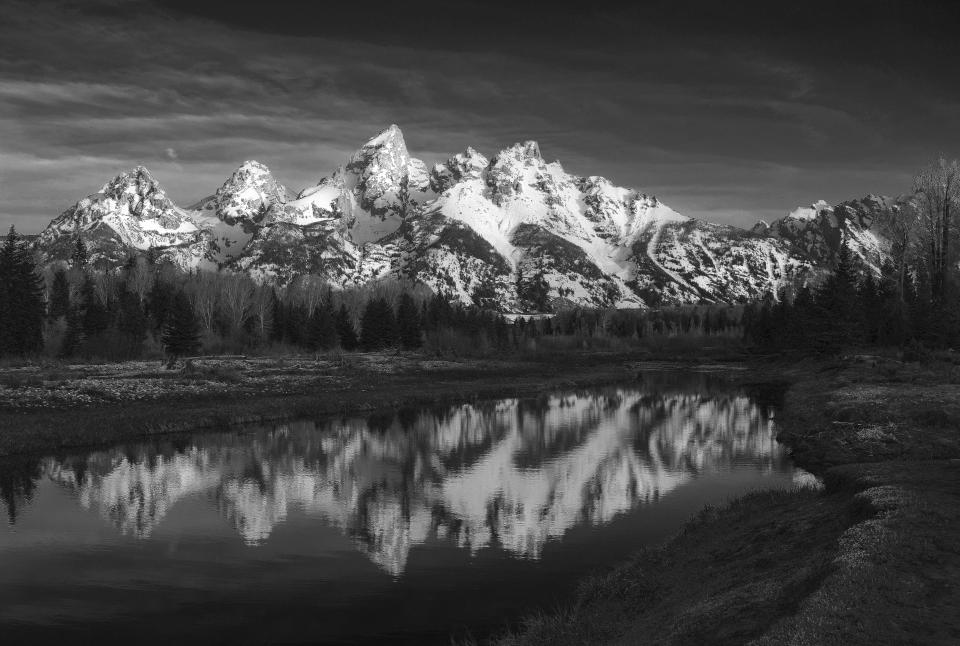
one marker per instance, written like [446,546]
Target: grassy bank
[48,409]
[871,559]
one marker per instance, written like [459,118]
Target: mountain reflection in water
[512,474]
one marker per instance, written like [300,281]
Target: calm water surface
[398,528]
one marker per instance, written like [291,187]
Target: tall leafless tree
[263,310]
[105,285]
[140,278]
[309,291]
[236,298]
[937,188]
[204,293]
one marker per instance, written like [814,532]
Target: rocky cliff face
[817,230]
[513,231]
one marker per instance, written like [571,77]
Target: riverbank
[47,409]
[873,558]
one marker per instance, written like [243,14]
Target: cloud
[721,121]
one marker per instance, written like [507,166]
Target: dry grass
[722,580]
[873,560]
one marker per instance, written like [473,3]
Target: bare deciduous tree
[937,189]
[236,298]
[140,278]
[105,285]
[263,310]
[204,293]
[309,290]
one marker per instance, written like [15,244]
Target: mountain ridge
[511,230]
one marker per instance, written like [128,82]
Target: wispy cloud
[733,132]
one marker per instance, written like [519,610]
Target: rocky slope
[817,230]
[130,214]
[514,232]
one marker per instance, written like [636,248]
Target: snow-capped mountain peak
[248,194]
[138,181]
[466,165]
[381,183]
[131,213]
[511,231]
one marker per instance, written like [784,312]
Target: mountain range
[512,231]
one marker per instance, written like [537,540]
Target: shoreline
[870,559]
[865,560]
[360,386]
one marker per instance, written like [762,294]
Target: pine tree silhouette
[79,258]
[836,304]
[322,333]
[22,305]
[96,316]
[181,332]
[132,325]
[409,327]
[345,330]
[378,327]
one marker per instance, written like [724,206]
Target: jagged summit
[522,151]
[818,230]
[509,231]
[138,181]
[469,164]
[391,137]
[131,213]
[248,194]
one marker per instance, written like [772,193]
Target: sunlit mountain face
[511,474]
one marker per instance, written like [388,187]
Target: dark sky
[730,114]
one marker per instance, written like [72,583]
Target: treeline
[855,308]
[913,303]
[149,309]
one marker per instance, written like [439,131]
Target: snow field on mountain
[468,224]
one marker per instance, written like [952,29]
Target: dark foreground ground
[43,409]
[873,558]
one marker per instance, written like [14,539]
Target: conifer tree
[345,331]
[894,323]
[801,317]
[132,325]
[322,333]
[21,299]
[408,323]
[96,316]
[78,260]
[159,302]
[378,326]
[181,331]
[836,304]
